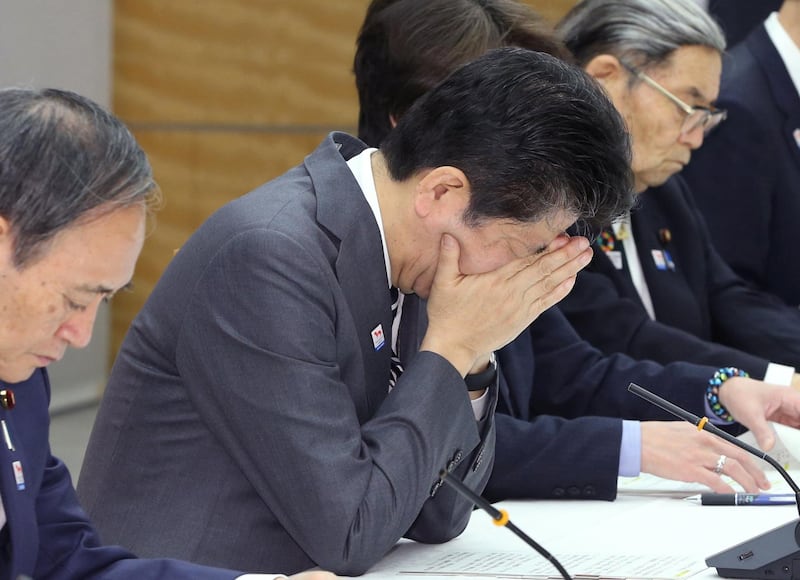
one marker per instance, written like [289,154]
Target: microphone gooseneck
[702,423]
[500,518]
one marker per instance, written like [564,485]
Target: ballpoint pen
[747,498]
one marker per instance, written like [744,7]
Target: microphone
[773,554]
[500,518]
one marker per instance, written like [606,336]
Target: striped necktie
[396,367]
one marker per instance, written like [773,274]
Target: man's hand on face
[471,315]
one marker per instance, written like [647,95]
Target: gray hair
[64,159]
[643,32]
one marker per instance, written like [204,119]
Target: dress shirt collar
[789,51]
[361,166]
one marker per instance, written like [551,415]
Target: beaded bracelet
[712,391]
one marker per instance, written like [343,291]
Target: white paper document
[532,565]
[787,446]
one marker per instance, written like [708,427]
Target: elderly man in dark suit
[262,380]
[657,288]
[746,177]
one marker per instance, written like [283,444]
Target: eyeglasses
[706,117]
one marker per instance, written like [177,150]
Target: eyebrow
[102,289]
[698,94]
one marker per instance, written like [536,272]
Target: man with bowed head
[265,379]
[74,194]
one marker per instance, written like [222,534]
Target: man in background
[746,177]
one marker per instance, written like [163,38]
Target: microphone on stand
[500,518]
[771,555]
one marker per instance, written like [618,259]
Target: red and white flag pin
[378,339]
[19,477]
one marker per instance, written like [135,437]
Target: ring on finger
[720,464]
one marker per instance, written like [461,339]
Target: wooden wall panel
[552,10]
[236,61]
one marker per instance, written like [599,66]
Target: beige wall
[226,94]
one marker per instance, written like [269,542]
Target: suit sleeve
[556,428]
[744,317]
[555,458]
[613,323]
[69,547]
[260,349]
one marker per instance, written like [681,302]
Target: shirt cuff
[779,374]
[260,577]
[479,405]
[630,449]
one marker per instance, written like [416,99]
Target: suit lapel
[360,267]
[18,501]
[606,244]
[362,276]
[781,86]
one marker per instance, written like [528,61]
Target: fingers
[678,451]
[765,436]
[516,294]
[558,262]
[721,458]
[743,473]
[448,258]
[314,575]
[547,278]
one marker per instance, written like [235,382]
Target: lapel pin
[665,235]
[606,241]
[19,476]
[378,338]
[658,259]
[6,435]
[7,400]
[622,231]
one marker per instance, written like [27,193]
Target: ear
[5,227]
[393,121]
[441,188]
[609,72]
[6,242]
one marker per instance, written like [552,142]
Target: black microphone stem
[500,518]
[702,423]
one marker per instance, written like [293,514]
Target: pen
[747,498]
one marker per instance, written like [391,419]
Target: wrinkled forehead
[693,71]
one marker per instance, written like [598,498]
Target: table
[649,526]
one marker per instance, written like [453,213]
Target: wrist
[462,359]
[714,387]
[482,379]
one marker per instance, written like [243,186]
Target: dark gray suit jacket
[247,420]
